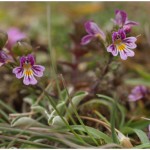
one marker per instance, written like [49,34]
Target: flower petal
[134,97]
[31,59]
[123,55]
[86,39]
[130,42]
[93,29]
[29,80]
[19,72]
[122,34]
[38,70]
[5,58]
[120,18]
[22,60]
[127,28]
[131,23]
[112,48]
[129,52]
[114,36]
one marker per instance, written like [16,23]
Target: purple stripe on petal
[92,28]
[22,60]
[114,36]
[38,70]
[112,49]
[30,58]
[123,55]
[131,23]
[130,42]
[122,34]
[86,39]
[129,52]
[19,72]
[130,39]
[120,18]
[29,80]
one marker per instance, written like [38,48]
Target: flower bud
[22,48]
[3,39]
[124,141]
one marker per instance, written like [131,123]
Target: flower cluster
[27,69]
[121,44]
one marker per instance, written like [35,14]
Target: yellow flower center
[27,69]
[120,46]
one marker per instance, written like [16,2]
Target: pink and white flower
[28,70]
[122,45]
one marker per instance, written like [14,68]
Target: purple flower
[28,70]
[14,35]
[122,44]
[93,31]
[4,58]
[122,21]
[138,93]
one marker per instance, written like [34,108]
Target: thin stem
[76,113]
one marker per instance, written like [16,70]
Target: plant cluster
[87,103]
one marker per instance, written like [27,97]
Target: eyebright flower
[4,58]
[93,31]
[138,93]
[122,44]
[28,70]
[122,21]
[14,35]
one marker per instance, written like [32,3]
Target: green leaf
[120,107]
[112,122]
[142,146]
[7,106]
[75,101]
[57,121]
[26,121]
[94,132]
[143,137]
[3,39]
